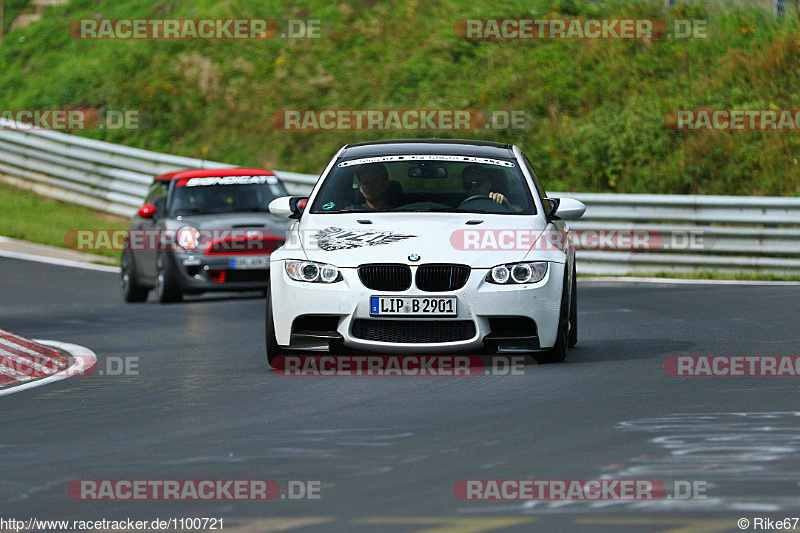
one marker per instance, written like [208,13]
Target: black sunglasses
[473,183]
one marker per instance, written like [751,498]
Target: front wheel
[273,349]
[167,288]
[559,352]
[573,310]
[131,291]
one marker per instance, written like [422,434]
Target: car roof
[214,172]
[428,146]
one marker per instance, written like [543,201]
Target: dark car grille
[437,278]
[243,245]
[413,331]
[385,277]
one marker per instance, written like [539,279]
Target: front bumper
[315,315]
[198,272]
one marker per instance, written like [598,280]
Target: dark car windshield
[224,194]
[425,183]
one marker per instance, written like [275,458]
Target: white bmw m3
[423,247]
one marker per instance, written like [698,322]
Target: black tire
[167,288]
[559,352]
[573,310]
[131,291]
[273,350]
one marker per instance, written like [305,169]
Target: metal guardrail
[692,233]
[693,209]
[104,176]
[754,234]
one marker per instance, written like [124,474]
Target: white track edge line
[60,262]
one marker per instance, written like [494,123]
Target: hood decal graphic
[332,238]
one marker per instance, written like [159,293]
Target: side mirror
[288,206]
[568,209]
[550,207]
[147,211]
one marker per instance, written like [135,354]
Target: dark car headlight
[517,273]
[312,272]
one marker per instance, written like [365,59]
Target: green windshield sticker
[329,205]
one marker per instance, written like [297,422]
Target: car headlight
[188,238]
[311,272]
[517,273]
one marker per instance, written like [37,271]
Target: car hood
[262,221]
[349,240]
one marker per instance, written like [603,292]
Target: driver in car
[373,182]
[477,183]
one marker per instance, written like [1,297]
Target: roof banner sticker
[230,180]
[453,158]
[332,238]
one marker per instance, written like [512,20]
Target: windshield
[425,183]
[225,194]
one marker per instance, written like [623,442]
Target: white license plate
[250,262]
[412,306]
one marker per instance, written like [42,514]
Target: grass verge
[30,217]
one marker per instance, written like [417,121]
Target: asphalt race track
[388,451]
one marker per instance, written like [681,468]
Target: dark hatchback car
[203,230]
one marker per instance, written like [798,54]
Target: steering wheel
[484,203]
[478,197]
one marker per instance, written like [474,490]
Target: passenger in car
[477,181]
